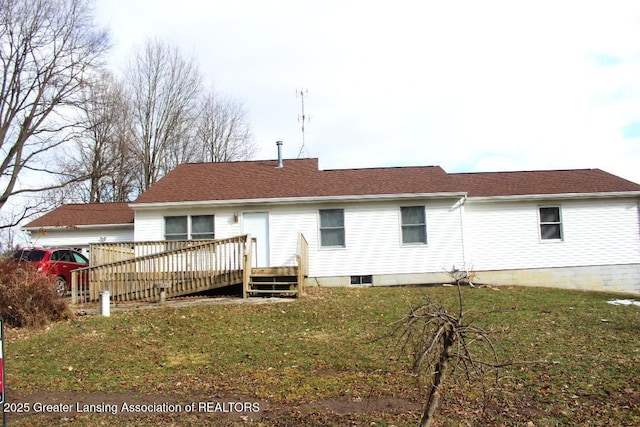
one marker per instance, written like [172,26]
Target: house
[400,225]
[79,225]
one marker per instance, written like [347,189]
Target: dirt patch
[360,406]
[93,309]
[65,406]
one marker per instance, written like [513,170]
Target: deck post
[74,287]
[246,268]
[302,258]
[162,287]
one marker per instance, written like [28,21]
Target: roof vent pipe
[279,144]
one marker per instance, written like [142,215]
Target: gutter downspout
[461,204]
[638,218]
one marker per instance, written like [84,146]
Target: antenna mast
[302,118]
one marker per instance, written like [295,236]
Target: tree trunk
[438,379]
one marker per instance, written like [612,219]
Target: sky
[470,86]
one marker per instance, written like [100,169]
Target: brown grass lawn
[323,360]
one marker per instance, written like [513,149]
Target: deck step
[252,283]
[274,281]
[269,291]
[274,271]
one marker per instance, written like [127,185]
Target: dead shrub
[28,298]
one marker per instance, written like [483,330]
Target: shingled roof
[542,182]
[301,178]
[298,178]
[75,215]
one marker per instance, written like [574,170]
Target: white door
[257,225]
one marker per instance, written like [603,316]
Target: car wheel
[61,286]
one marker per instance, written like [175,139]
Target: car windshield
[31,256]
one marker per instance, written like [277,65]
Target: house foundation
[606,278]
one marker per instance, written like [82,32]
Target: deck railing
[177,267]
[105,253]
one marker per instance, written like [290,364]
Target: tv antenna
[302,118]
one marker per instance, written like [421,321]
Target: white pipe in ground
[104,303]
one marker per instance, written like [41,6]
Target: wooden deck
[281,281]
[142,271]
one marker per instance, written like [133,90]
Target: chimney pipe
[279,144]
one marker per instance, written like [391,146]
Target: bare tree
[441,342]
[22,207]
[48,51]
[103,147]
[122,178]
[8,241]
[222,131]
[164,88]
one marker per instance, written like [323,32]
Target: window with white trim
[188,227]
[414,224]
[550,223]
[175,228]
[202,227]
[332,228]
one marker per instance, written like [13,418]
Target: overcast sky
[467,85]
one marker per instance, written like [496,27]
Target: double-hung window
[414,224]
[187,227]
[175,228]
[332,228]
[202,227]
[550,223]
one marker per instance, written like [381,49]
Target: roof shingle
[301,178]
[298,178]
[73,215]
[542,182]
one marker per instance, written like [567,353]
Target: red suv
[58,262]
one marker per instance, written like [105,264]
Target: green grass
[581,359]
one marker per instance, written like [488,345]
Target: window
[332,227]
[29,255]
[175,228]
[80,259]
[202,227]
[362,280]
[185,227]
[550,223]
[414,224]
[62,256]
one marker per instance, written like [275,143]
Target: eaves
[556,196]
[79,227]
[297,200]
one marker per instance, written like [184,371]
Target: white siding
[149,225]
[497,235]
[373,239]
[505,235]
[372,232]
[286,223]
[80,238]
[225,223]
